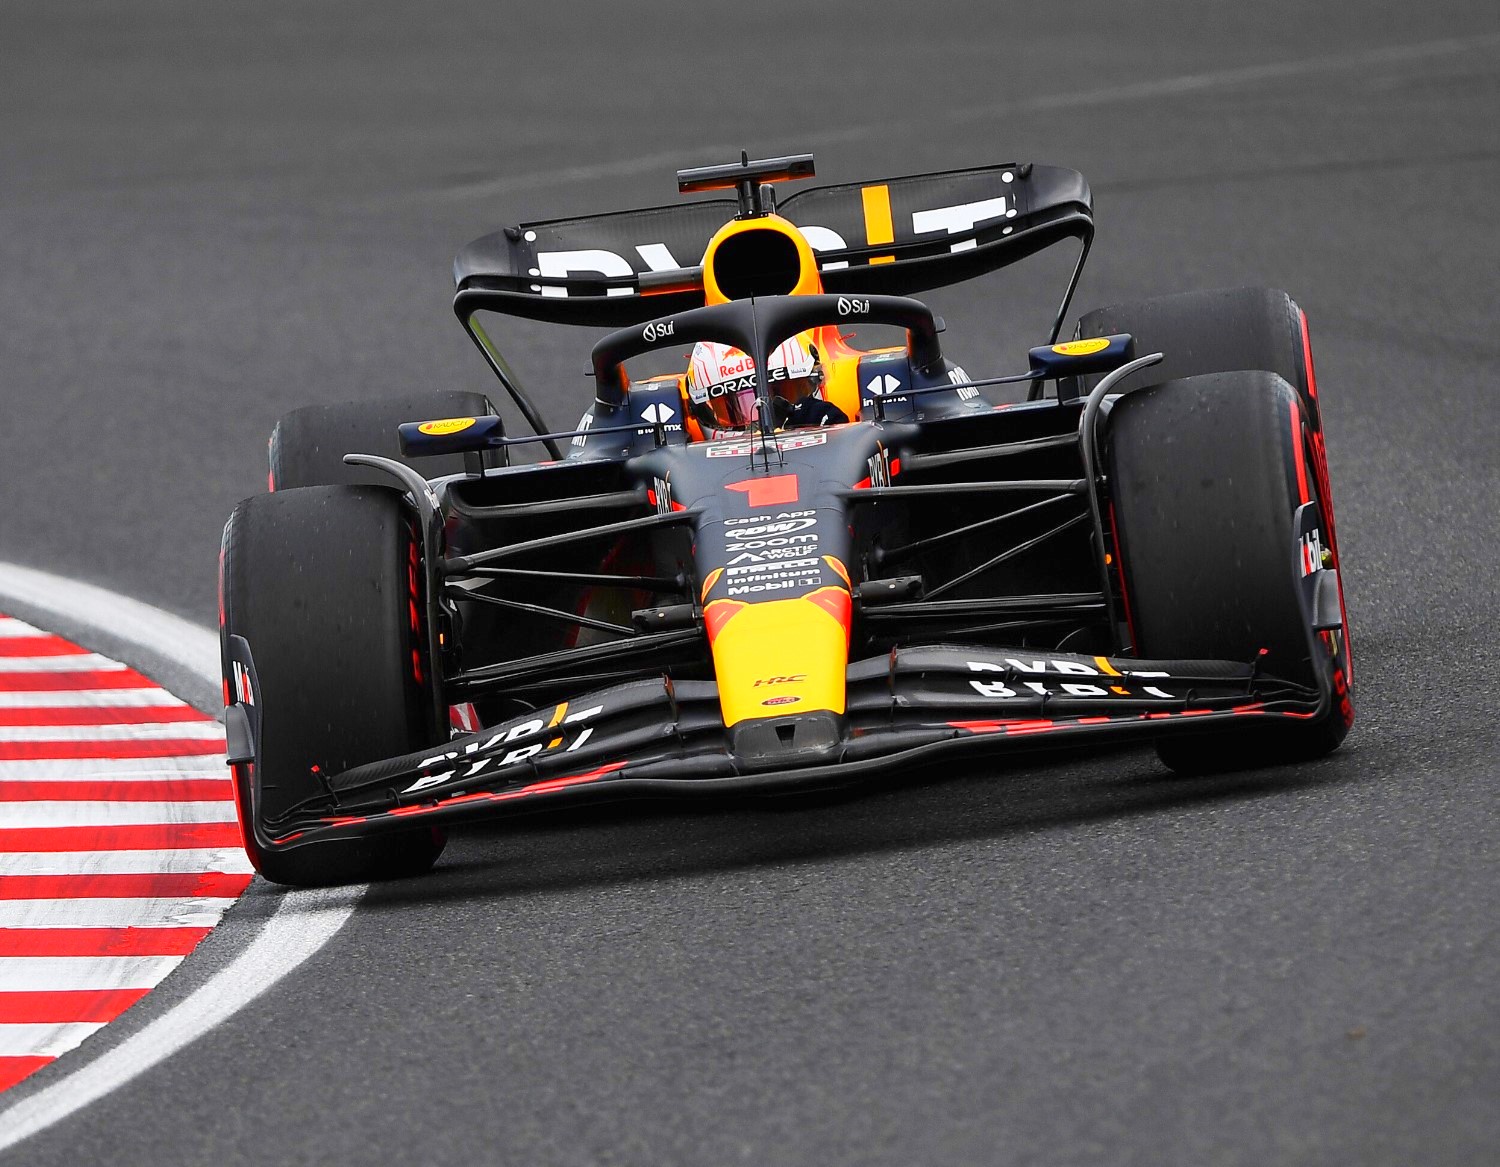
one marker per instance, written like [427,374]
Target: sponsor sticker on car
[447,425]
[744,447]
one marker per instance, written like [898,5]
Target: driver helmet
[721,381]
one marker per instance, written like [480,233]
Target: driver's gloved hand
[814,411]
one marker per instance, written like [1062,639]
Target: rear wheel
[1207,476]
[322,584]
[1217,331]
[308,444]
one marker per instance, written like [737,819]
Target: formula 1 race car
[798,562]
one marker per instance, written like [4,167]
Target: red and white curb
[266,947]
[118,843]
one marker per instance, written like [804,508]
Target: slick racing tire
[1216,332]
[308,444]
[1222,331]
[319,582]
[1206,477]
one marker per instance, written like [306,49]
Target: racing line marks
[103,777]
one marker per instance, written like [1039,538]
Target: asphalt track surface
[210,215]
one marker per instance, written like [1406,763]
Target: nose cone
[778,657]
[781,668]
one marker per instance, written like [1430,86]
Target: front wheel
[1210,487]
[323,583]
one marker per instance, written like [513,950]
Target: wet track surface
[206,219]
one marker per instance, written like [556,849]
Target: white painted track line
[301,924]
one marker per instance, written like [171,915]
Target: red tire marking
[1312,380]
[1299,455]
[1325,501]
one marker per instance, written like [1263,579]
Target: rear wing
[899,236]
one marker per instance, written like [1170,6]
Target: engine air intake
[761,262]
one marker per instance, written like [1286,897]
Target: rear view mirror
[1080,358]
[451,435]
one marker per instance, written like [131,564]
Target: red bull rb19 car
[795,562]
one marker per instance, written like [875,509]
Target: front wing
[657,738]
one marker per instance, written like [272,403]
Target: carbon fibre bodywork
[798,607]
[665,739]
